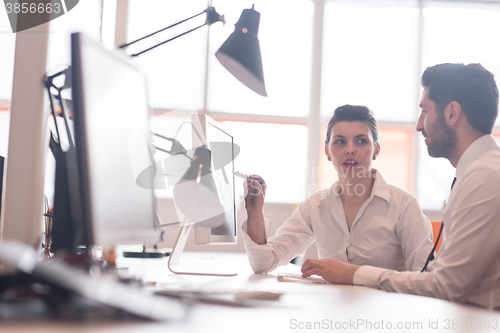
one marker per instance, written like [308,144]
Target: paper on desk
[233,298]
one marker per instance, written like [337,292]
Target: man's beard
[444,141]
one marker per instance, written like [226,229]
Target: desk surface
[308,307]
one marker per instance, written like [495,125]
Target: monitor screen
[221,145]
[112,143]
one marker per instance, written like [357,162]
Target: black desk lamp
[240,53]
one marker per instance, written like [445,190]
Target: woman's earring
[329,158]
[374,157]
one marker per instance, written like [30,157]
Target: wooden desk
[302,307]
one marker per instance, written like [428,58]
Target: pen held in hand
[242,175]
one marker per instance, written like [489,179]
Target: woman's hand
[334,271]
[255,194]
[254,203]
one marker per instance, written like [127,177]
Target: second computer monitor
[221,145]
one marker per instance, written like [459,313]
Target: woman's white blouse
[389,231]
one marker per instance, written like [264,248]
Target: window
[434,179]
[85,18]
[395,160]
[471,41]
[372,52]
[367,61]
[278,152]
[175,71]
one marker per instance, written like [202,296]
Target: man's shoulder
[486,168]
[488,160]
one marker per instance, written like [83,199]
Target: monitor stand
[175,256]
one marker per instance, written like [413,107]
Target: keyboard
[133,300]
[295,277]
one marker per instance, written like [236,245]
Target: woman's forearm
[256,227]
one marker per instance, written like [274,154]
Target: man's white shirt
[467,267]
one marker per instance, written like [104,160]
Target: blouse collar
[380,189]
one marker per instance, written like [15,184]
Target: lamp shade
[240,53]
[196,194]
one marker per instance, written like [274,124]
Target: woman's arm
[291,239]
[254,204]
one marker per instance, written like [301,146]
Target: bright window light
[108,23]
[369,58]
[176,70]
[474,40]
[277,152]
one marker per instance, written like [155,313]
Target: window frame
[314,121]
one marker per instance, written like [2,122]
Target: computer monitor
[207,131]
[221,144]
[112,142]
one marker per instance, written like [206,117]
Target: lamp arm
[212,17]
[166,28]
[168,40]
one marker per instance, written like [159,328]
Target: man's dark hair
[472,86]
[353,113]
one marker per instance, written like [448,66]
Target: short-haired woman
[360,219]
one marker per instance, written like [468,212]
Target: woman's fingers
[261,183]
[254,193]
[257,177]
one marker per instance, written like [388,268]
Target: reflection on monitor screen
[221,144]
[111,116]
[207,131]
